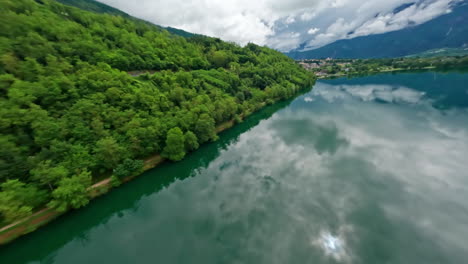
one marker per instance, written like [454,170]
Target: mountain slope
[443,52]
[98,7]
[447,31]
[94,6]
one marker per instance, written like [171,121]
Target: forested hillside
[444,52]
[70,113]
[95,6]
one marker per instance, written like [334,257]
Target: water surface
[366,170]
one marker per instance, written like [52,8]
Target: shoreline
[331,76]
[46,215]
[29,224]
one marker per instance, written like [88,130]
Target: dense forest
[95,6]
[70,113]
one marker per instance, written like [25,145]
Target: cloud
[285,41]
[415,14]
[290,20]
[306,16]
[375,17]
[386,93]
[241,21]
[272,22]
[312,31]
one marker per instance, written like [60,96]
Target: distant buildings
[315,64]
[309,66]
[319,74]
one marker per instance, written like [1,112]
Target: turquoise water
[364,170]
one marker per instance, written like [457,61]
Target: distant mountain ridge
[98,7]
[447,31]
[441,53]
[94,6]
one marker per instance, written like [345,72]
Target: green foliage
[115,181]
[108,152]
[72,192]
[191,141]
[128,168]
[219,59]
[205,128]
[46,174]
[98,7]
[94,6]
[70,113]
[237,119]
[175,148]
[17,200]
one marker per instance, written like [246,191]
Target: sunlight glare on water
[333,246]
[331,243]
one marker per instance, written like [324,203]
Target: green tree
[191,141]
[49,175]
[128,168]
[108,152]
[175,147]
[17,200]
[71,192]
[219,59]
[205,128]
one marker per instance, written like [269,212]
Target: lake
[366,170]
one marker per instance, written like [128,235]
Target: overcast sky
[285,24]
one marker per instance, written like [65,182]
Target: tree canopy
[70,112]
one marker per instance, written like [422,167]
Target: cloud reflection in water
[346,174]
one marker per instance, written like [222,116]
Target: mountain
[447,31]
[443,52]
[94,6]
[98,7]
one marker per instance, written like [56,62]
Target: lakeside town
[325,67]
[329,68]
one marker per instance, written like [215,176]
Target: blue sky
[283,24]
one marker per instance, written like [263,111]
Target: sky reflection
[351,172]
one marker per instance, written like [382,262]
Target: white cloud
[334,32]
[285,41]
[373,17]
[268,22]
[338,3]
[385,93]
[307,16]
[290,20]
[312,31]
[241,21]
[415,14]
